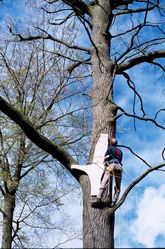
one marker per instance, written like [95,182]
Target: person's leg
[103,184]
[118,178]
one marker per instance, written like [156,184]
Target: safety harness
[113,165]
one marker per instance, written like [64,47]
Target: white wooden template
[95,170]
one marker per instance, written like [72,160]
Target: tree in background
[31,83]
[119,36]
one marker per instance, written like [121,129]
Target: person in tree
[113,166]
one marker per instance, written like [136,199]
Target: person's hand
[106,163]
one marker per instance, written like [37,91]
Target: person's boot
[115,198]
[98,200]
[95,201]
[113,203]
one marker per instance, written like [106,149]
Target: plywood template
[96,168]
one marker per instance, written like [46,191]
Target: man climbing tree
[113,166]
[115,49]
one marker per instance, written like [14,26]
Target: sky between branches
[144,205]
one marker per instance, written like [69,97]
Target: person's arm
[107,154]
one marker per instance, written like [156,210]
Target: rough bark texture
[103,70]
[9,205]
[97,224]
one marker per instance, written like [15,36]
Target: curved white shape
[96,169]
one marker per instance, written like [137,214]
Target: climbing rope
[120,227]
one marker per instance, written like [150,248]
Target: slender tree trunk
[9,205]
[98,225]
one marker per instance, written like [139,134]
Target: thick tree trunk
[103,71]
[9,205]
[98,225]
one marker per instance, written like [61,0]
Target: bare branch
[163,154]
[61,21]
[158,64]
[148,24]
[55,11]
[78,6]
[148,57]
[117,3]
[124,146]
[131,11]
[77,64]
[134,89]
[87,61]
[159,112]
[133,184]
[141,118]
[49,37]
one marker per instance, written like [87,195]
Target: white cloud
[150,221]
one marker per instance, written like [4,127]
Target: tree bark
[103,71]
[98,225]
[9,205]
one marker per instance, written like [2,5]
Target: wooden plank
[96,169]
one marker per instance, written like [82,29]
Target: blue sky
[11,7]
[140,221]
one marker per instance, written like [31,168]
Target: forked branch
[40,140]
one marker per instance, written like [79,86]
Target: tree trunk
[97,224]
[103,71]
[9,205]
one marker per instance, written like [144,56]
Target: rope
[105,169]
[128,174]
[136,187]
[119,227]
